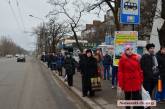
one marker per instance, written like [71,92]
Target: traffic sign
[130,12]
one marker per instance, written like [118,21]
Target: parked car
[9,56]
[17,55]
[21,58]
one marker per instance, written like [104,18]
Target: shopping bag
[145,94]
[120,94]
[66,78]
[96,84]
[159,86]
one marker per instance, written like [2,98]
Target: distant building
[97,31]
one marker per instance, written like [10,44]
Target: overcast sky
[14,19]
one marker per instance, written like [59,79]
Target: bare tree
[56,31]
[40,31]
[49,35]
[72,12]
[113,5]
[162,30]
[7,46]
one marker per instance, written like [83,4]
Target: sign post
[130,12]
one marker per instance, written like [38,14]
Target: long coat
[82,63]
[130,75]
[89,71]
[161,64]
[70,65]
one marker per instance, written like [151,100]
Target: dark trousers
[114,75]
[60,71]
[149,86]
[70,80]
[133,96]
[106,72]
[86,86]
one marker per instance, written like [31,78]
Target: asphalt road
[26,86]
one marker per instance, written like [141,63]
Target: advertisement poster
[122,39]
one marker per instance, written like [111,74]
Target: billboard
[122,39]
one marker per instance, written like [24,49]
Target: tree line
[8,46]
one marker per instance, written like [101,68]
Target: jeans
[161,95]
[114,75]
[106,72]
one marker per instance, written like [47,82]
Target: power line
[13,12]
[20,14]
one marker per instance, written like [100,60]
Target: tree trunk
[161,32]
[75,36]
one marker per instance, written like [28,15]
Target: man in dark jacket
[148,62]
[161,62]
[107,60]
[70,65]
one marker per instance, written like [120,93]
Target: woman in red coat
[130,75]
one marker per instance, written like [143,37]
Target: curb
[85,100]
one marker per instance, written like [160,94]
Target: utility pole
[43,40]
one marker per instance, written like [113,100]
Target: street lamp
[44,35]
[36,17]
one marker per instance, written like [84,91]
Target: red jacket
[130,76]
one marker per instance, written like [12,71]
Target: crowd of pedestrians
[133,73]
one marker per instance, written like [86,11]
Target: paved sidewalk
[106,99]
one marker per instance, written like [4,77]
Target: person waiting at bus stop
[89,71]
[107,61]
[130,76]
[70,66]
[160,96]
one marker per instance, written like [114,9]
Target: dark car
[21,58]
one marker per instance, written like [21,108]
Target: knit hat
[128,47]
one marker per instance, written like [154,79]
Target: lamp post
[44,34]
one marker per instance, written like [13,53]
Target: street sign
[122,39]
[130,12]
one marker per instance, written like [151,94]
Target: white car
[9,56]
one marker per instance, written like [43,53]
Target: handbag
[96,83]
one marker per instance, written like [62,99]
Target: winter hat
[127,47]
[150,45]
[89,51]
